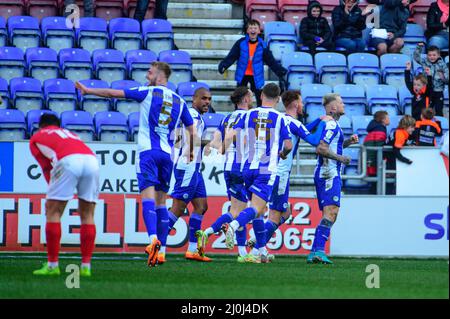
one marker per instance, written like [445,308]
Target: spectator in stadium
[437,24]
[251,52]
[348,22]
[160,9]
[315,30]
[439,74]
[88,6]
[393,18]
[400,137]
[427,129]
[421,88]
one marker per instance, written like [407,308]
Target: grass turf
[287,277]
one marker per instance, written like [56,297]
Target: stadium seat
[24,32]
[33,117]
[11,63]
[172,86]
[312,95]
[393,67]
[4,93]
[109,65]
[158,35]
[382,97]
[92,34]
[280,38]
[212,122]
[415,33]
[56,35]
[26,94]
[60,95]
[364,69]
[137,62]
[405,99]
[446,101]
[262,10]
[75,64]
[125,106]
[444,123]
[394,120]
[293,11]
[359,124]
[125,34]
[42,63]
[111,127]
[133,125]
[12,125]
[3,33]
[354,183]
[109,9]
[187,89]
[300,68]
[345,123]
[331,68]
[419,11]
[79,122]
[180,63]
[130,7]
[9,8]
[354,97]
[93,103]
[42,8]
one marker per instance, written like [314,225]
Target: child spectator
[314,29]
[437,24]
[400,137]
[427,129]
[251,52]
[439,74]
[421,88]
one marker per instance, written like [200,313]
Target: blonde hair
[329,97]
[407,121]
[163,67]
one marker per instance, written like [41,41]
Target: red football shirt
[52,143]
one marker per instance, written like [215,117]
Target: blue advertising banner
[6,166]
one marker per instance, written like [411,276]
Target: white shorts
[78,172]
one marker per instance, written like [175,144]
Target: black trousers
[250,79]
[437,102]
[329,45]
[160,9]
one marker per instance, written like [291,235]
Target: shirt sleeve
[329,132]
[284,131]
[186,117]
[137,93]
[241,123]
[44,162]
[400,139]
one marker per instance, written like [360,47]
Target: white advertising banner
[391,226]
[426,176]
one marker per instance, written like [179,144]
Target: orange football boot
[152,251]
[197,257]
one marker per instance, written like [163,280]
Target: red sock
[87,240]
[53,236]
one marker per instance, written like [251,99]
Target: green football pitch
[127,276]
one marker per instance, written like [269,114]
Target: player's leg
[162,229]
[241,233]
[87,235]
[200,206]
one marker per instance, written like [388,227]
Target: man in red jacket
[68,165]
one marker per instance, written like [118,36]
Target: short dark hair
[422,78]
[428,113]
[253,22]
[48,119]
[380,116]
[200,91]
[290,96]
[432,48]
[238,95]
[271,91]
[164,67]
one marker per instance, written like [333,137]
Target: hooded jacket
[394,17]
[436,68]
[377,135]
[434,24]
[311,27]
[348,25]
[421,100]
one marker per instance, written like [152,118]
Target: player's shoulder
[331,125]
[194,113]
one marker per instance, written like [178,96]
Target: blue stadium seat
[109,65]
[3,33]
[111,126]
[312,95]
[405,99]
[133,125]
[125,106]
[345,123]
[364,69]
[444,123]
[42,63]
[24,32]
[125,34]
[92,34]
[394,120]
[354,97]
[187,89]
[12,125]
[446,100]
[416,67]
[92,103]
[300,68]
[75,64]
[171,86]
[79,122]
[138,62]
[4,93]
[212,122]
[33,117]
[382,97]
[180,63]
[158,35]
[56,35]
[354,183]
[414,34]
[60,95]
[393,66]
[11,63]
[26,94]
[359,124]
[331,68]
[280,37]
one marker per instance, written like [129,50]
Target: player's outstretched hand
[83,89]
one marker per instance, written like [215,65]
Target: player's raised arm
[352,140]
[110,93]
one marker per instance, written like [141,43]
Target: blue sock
[270,227]
[172,219]
[241,236]
[149,215]
[195,223]
[260,232]
[322,234]
[246,216]
[224,219]
[163,224]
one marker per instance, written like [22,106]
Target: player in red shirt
[67,164]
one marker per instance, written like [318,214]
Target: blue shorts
[328,191]
[280,194]
[235,186]
[154,168]
[189,184]
[259,184]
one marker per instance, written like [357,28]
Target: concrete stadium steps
[199,11]
[205,41]
[210,72]
[207,56]
[204,26]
